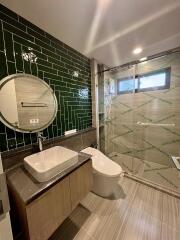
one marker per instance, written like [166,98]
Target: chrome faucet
[41,138]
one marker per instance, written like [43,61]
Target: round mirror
[27,103]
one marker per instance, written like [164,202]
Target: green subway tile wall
[55,63]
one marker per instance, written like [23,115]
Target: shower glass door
[157,120]
[119,89]
[142,119]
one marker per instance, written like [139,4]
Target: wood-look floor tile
[148,200]
[82,235]
[139,213]
[171,211]
[139,225]
[168,233]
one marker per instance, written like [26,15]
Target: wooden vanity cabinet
[80,183]
[47,212]
[41,217]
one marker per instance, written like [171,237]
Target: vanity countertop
[28,188]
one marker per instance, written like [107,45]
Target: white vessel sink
[48,163]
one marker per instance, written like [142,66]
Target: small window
[157,80]
[127,85]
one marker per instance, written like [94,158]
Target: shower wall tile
[55,64]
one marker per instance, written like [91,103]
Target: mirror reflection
[28,104]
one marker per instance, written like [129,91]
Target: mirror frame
[8,124]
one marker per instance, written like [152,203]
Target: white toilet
[106,173]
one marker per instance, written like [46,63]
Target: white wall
[5,228]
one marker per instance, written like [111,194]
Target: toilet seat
[102,164]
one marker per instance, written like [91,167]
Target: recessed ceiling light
[137,50]
[143,59]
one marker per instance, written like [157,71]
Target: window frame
[167,71]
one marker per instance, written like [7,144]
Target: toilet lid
[102,164]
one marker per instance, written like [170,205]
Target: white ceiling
[107,30]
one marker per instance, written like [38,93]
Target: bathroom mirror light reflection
[28,104]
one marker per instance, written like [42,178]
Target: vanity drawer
[47,212]
[81,183]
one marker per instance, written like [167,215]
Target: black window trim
[166,86]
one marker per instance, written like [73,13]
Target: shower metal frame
[132,63]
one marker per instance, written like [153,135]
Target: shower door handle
[156,124]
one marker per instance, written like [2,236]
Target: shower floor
[163,175]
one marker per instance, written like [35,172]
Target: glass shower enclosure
[140,119]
